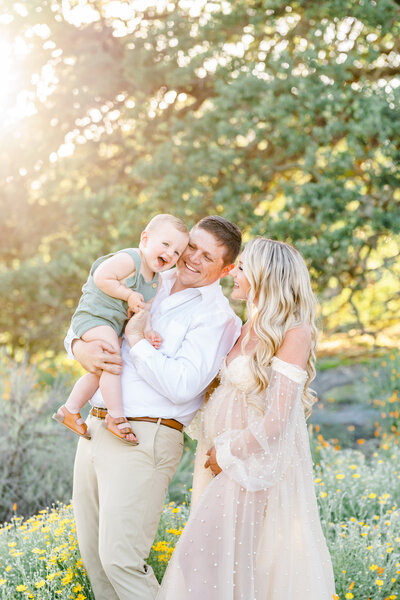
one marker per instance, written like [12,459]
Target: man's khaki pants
[118,499]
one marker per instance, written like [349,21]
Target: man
[119,489]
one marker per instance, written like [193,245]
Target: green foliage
[180,486]
[282,116]
[358,501]
[172,521]
[37,456]
[384,385]
[384,379]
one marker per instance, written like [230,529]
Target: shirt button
[154,285]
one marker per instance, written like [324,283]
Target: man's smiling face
[202,262]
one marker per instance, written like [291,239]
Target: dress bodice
[238,374]
[235,401]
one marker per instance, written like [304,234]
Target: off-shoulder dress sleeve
[257,457]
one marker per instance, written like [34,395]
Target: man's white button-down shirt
[198,328]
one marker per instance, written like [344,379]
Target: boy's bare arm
[110,277]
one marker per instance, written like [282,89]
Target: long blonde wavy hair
[280,298]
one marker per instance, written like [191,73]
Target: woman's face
[241,285]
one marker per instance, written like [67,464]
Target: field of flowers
[40,556]
[358,491]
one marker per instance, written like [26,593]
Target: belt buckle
[97,412]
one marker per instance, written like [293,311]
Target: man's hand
[134,330]
[97,356]
[212,461]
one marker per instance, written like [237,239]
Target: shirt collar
[208,292]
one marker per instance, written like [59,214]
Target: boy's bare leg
[82,391]
[110,386]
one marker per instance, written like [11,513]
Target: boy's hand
[135,303]
[154,338]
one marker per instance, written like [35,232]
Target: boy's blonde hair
[280,285]
[166,218]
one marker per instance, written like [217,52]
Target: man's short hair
[227,233]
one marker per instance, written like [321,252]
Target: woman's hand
[97,356]
[212,461]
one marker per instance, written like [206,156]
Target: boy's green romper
[97,308]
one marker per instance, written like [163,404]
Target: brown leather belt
[101,413]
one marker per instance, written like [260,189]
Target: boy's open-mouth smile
[161,261]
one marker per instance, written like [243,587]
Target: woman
[254,531]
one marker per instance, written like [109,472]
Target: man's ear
[226,270]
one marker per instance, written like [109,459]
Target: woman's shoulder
[301,332]
[296,346]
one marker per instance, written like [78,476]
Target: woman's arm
[256,455]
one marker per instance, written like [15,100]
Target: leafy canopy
[282,116]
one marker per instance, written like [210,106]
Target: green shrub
[181,483]
[37,455]
[383,386]
[359,500]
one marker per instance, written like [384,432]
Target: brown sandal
[120,427]
[73,421]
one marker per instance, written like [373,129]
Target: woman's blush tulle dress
[254,531]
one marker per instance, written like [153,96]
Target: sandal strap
[65,412]
[124,428]
[121,424]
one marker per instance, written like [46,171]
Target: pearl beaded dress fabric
[254,531]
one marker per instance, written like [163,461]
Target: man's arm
[187,374]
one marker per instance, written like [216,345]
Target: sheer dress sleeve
[257,457]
